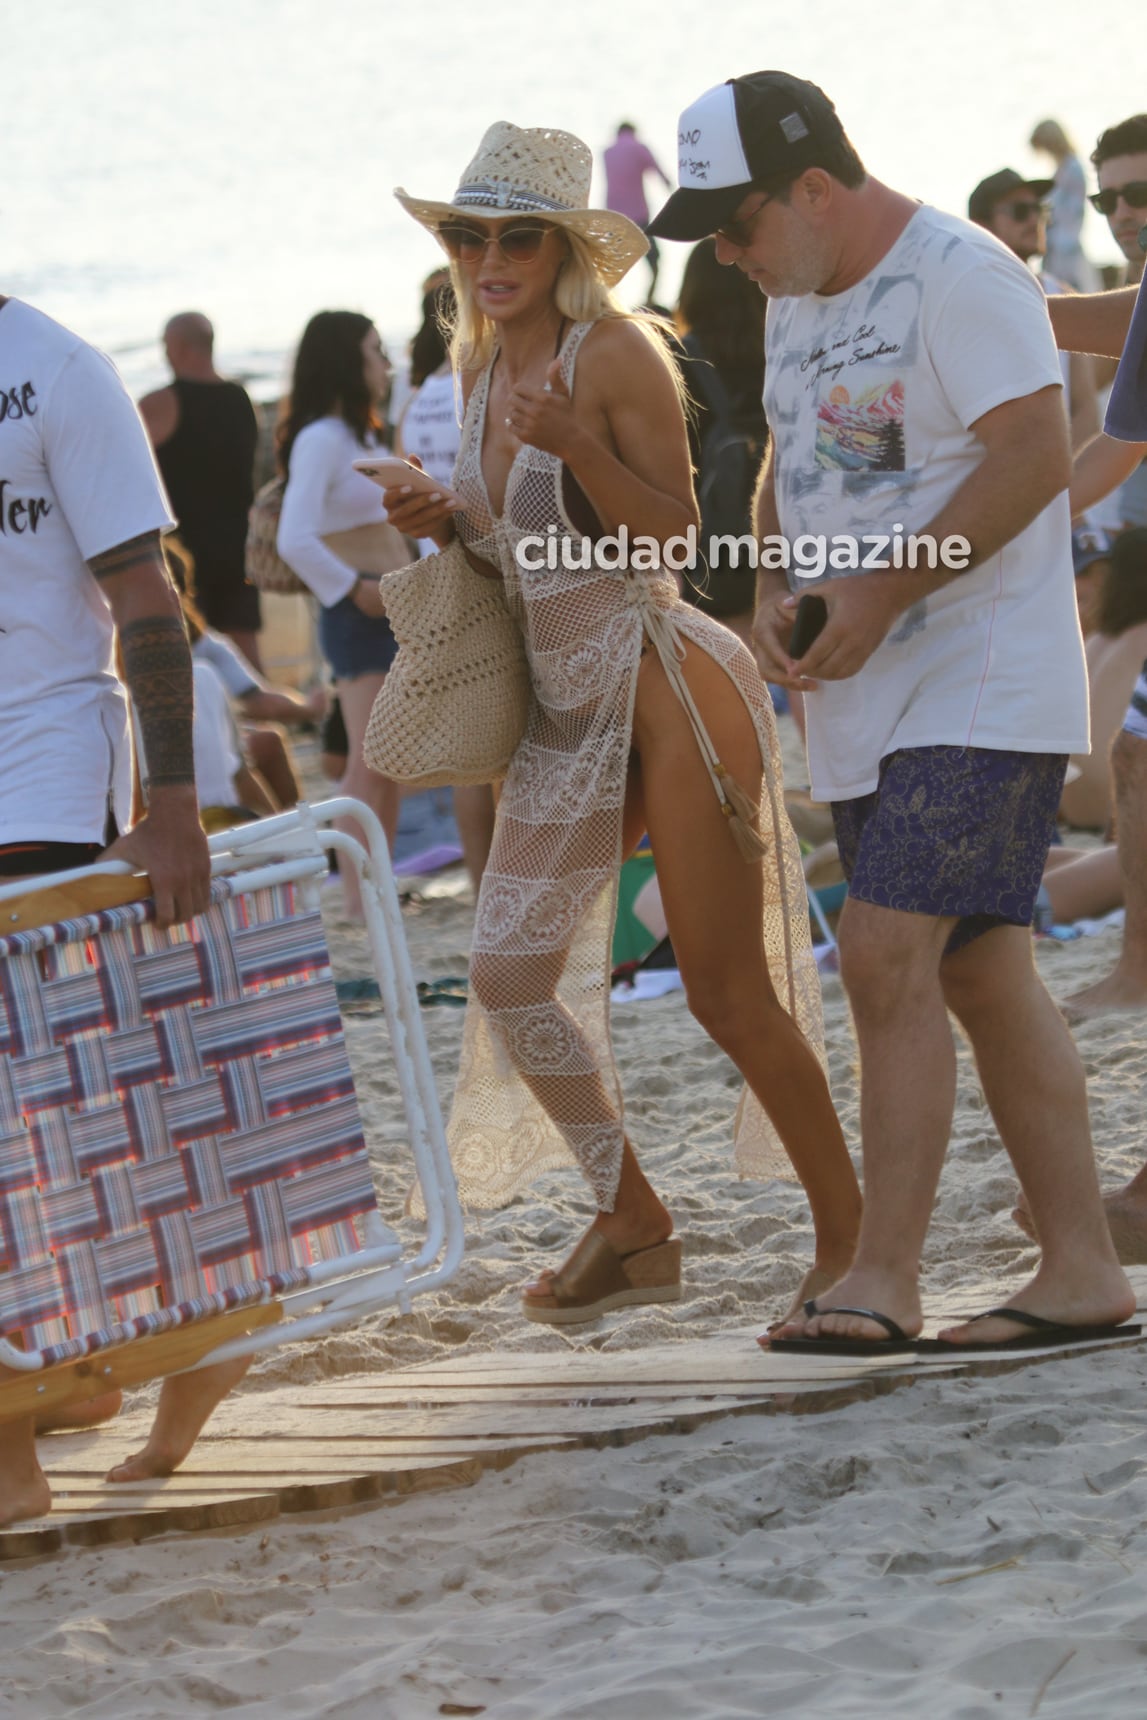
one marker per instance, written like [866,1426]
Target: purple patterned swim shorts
[953,830]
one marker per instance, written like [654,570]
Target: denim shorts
[354,643]
[958,831]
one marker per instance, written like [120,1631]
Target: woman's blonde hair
[579,294]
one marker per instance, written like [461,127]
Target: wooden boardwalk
[371,1439]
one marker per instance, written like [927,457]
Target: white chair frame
[291,848]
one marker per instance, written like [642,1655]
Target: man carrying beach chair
[81,512]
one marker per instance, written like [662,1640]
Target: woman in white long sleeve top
[333,530]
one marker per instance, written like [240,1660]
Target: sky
[239,155]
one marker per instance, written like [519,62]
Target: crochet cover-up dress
[537,1084]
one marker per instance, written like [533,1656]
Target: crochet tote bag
[453,707]
[265,567]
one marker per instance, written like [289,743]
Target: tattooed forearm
[157,669]
[137,552]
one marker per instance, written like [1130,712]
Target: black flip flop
[1041,1334]
[895,1343]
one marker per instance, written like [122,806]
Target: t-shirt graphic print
[862,434]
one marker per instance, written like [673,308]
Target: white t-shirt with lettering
[869,396]
[77,477]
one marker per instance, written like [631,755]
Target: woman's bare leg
[474,816]
[714,904]
[638,1219]
[1087,886]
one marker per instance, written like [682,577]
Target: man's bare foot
[185,1403]
[24,1489]
[1126,1210]
[1119,990]
[24,1498]
[1096,1296]
[891,1294]
[89,1414]
[815,1282]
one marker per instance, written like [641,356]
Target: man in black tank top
[204,432]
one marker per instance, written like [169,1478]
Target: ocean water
[238,156]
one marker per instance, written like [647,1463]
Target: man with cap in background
[912,386]
[1015,210]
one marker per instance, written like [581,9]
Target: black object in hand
[812,613]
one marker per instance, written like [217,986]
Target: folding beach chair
[183,1173]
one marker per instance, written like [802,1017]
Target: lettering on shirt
[18,402]
[20,514]
[865,345]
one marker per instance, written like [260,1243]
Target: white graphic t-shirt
[869,396]
[77,477]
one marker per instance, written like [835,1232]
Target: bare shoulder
[160,413]
[618,355]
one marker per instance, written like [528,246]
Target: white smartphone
[387,470]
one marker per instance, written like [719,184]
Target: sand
[962,1548]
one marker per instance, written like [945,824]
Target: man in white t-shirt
[913,387]
[81,512]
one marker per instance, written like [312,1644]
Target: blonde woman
[645,716]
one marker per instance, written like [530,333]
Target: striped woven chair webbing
[178,1126]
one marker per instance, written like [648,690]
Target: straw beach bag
[265,567]
[453,708]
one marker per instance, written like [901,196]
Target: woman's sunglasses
[519,244]
[1134,195]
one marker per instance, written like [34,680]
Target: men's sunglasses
[740,233]
[519,244]
[1024,208]
[1134,195]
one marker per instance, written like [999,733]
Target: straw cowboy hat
[542,173]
